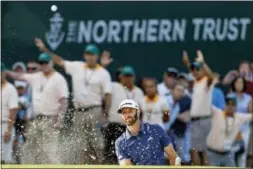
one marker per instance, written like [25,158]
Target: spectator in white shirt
[154,107]
[200,111]
[92,90]
[225,126]
[9,107]
[50,93]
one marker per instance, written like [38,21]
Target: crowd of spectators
[97,91]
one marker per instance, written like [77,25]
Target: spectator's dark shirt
[179,127]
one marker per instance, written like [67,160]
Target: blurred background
[149,36]
[157,34]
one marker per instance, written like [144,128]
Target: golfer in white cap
[142,143]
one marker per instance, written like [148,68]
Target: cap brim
[19,86]
[174,74]
[127,74]
[91,52]
[195,67]
[43,60]
[119,111]
[182,77]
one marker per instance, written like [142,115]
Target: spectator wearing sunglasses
[225,126]
[92,91]
[32,66]
[50,93]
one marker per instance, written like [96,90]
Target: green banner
[148,35]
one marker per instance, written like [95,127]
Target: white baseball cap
[128,103]
[19,64]
[18,83]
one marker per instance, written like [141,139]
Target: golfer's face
[129,116]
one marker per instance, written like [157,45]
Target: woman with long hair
[244,105]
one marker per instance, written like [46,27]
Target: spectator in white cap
[21,119]
[169,80]
[183,79]
[19,67]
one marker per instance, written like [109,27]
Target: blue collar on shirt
[128,134]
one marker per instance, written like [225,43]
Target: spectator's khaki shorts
[41,146]
[87,142]
[199,132]
[250,151]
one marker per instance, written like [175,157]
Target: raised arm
[42,47]
[107,90]
[208,71]
[106,59]
[16,76]
[245,117]
[186,60]
[229,77]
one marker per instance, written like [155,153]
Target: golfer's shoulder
[121,140]
[152,127]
